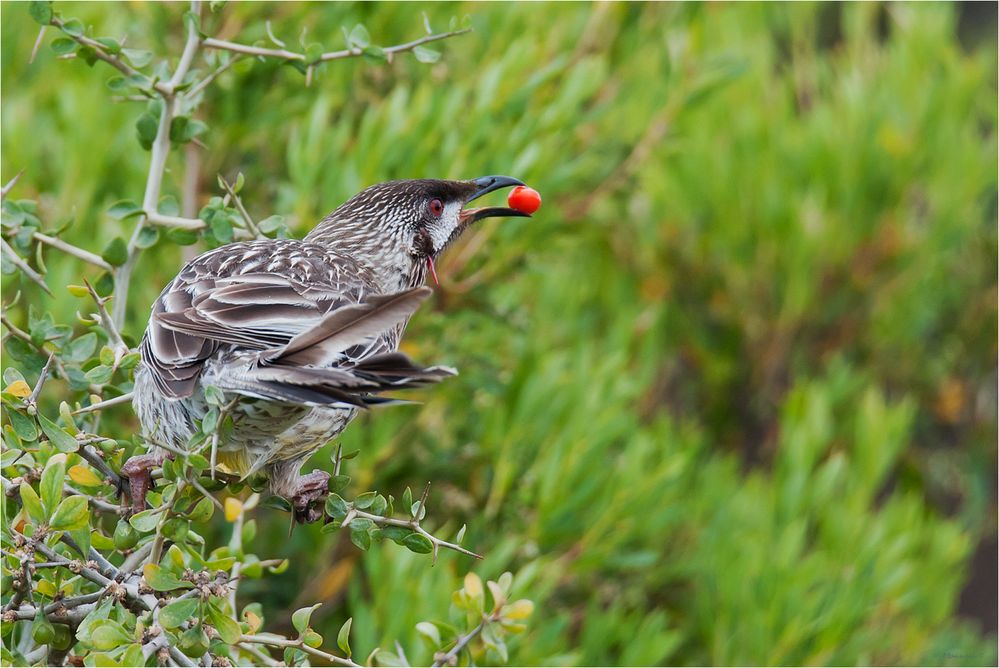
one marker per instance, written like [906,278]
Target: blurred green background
[729,398]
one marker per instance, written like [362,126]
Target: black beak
[486,185]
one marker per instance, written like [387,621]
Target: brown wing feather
[244,296]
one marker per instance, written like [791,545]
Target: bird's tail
[300,372]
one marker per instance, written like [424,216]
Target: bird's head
[400,227]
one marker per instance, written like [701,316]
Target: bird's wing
[252,296]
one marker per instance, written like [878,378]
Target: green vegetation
[728,398]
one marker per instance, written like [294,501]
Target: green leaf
[227,627]
[378,506]
[107,634]
[162,580]
[365,500]
[176,529]
[183,129]
[430,632]
[279,503]
[169,206]
[418,543]
[343,637]
[360,534]
[59,439]
[147,126]
[71,514]
[63,45]
[73,27]
[145,520]
[182,237]
[271,224]
[79,349]
[313,52]
[193,642]
[203,511]
[374,54]
[358,37]
[138,57]
[300,618]
[110,45]
[178,612]
[214,396]
[425,55]
[23,426]
[221,227]
[41,11]
[338,483]
[148,236]
[117,84]
[130,360]
[50,487]
[100,374]
[32,504]
[116,252]
[123,209]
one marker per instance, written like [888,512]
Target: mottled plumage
[299,334]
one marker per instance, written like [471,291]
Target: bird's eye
[436,207]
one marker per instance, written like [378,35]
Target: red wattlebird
[298,335]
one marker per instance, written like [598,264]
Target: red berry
[524,199]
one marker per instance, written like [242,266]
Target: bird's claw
[309,495]
[138,471]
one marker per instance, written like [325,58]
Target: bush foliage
[729,398]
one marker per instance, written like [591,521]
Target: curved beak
[486,185]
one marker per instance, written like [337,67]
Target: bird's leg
[307,493]
[310,496]
[138,471]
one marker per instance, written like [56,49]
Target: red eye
[436,207]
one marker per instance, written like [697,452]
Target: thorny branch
[279,641]
[125,580]
[354,52]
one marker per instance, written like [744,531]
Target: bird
[298,336]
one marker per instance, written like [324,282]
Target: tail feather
[348,326]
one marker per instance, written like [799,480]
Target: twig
[205,493]
[250,225]
[38,43]
[408,46]
[75,251]
[134,560]
[85,571]
[10,184]
[112,60]
[25,268]
[201,85]
[155,218]
[278,641]
[452,655]
[353,52]
[95,460]
[260,656]
[107,403]
[32,399]
[94,502]
[415,526]
[107,322]
[157,166]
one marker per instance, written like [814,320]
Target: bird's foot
[138,471]
[309,495]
